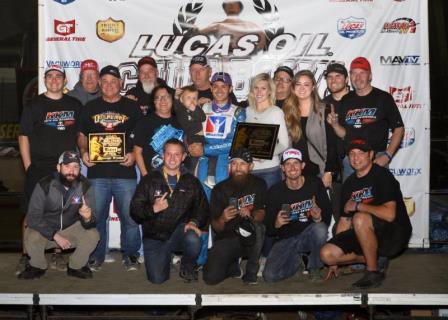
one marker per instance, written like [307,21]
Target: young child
[190,117]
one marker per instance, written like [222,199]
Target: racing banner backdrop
[256,36]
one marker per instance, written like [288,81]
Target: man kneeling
[374,223]
[171,205]
[59,215]
[298,215]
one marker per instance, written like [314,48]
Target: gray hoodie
[83,96]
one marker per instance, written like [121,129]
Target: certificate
[107,147]
[259,138]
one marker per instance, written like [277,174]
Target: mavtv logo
[64,28]
[400,60]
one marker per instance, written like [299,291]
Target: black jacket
[47,215]
[187,203]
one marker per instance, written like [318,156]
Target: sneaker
[24,262]
[235,270]
[188,276]
[315,276]
[371,279]
[250,278]
[83,273]
[176,259]
[141,259]
[109,258]
[262,262]
[31,272]
[95,266]
[130,263]
[57,262]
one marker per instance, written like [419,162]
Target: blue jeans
[284,259]
[158,253]
[271,175]
[122,191]
[221,171]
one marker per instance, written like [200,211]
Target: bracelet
[387,154]
[357,206]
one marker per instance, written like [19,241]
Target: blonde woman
[262,109]
[305,116]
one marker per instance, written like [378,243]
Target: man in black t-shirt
[237,208]
[298,215]
[111,114]
[368,112]
[49,126]
[375,222]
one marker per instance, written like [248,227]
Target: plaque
[107,147]
[259,138]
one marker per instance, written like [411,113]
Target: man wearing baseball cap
[200,73]
[298,214]
[48,126]
[87,88]
[61,215]
[369,112]
[237,209]
[219,127]
[374,225]
[148,79]
[112,116]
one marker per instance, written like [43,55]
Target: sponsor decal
[400,60]
[400,25]
[64,29]
[215,126]
[110,30]
[60,119]
[352,27]
[109,120]
[64,1]
[408,137]
[66,64]
[403,97]
[406,172]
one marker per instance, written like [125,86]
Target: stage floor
[412,279]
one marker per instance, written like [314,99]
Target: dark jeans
[33,174]
[284,260]
[225,252]
[158,253]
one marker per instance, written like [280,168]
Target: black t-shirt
[375,188]
[301,202]
[144,133]
[251,195]
[51,127]
[340,146]
[99,116]
[370,117]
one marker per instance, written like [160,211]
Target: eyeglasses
[160,98]
[284,80]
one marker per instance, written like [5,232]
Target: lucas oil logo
[109,120]
[358,117]
[60,119]
[352,27]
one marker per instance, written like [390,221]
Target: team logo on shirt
[60,119]
[359,117]
[215,126]
[364,195]
[300,210]
[247,201]
[109,120]
[76,200]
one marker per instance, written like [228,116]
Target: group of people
[179,179]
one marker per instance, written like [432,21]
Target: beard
[68,180]
[239,181]
[147,86]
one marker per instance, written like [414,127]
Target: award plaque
[259,138]
[107,147]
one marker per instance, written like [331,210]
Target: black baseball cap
[358,143]
[336,67]
[241,153]
[68,157]
[199,59]
[112,70]
[286,69]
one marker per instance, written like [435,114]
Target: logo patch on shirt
[364,195]
[60,119]
[359,117]
[300,210]
[215,126]
[76,200]
[109,120]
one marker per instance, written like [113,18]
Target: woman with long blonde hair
[305,116]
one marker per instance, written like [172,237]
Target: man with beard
[147,81]
[237,209]
[60,215]
[298,215]
[87,88]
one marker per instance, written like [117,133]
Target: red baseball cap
[89,64]
[360,63]
[147,60]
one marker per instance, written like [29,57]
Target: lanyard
[165,175]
